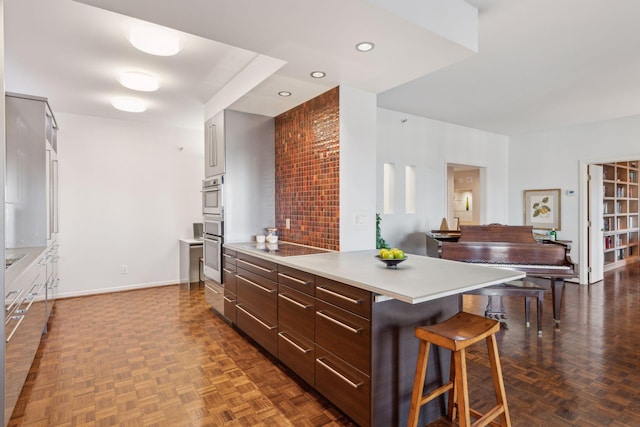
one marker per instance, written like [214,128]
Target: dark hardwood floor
[159,357]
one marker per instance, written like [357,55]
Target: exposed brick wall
[307,144]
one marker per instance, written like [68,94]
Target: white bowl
[272,239]
[260,238]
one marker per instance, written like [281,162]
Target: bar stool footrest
[435,393]
[487,418]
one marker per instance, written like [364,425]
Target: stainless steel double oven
[213,226]
[212,195]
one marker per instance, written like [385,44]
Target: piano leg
[495,309]
[557,286]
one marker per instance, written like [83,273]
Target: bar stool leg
[451,407]
[498,383]
[418,383]
[464,418]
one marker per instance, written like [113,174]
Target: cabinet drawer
[345,386]
[258,293]
[226,252]
[297,353]
[229,279]
[296,279]
[261,330]
[345,334]
[259,266]
[296,310]
[348,297]
[230,306]
[229,265]
[214,295]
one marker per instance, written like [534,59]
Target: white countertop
[416,280]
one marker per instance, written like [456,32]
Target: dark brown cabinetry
[358,352]
[296,323]
[257,306]
[229,280]
[343,347]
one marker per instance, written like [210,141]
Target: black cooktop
[287,249]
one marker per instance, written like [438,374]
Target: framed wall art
[542,209]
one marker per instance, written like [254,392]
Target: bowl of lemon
[392,257]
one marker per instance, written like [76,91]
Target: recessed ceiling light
[318,74]
[139,81]
[365,46]
[284,93]
[130,105]
[155,40]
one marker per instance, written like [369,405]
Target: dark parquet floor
[159,357]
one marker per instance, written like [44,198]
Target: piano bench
[517,288]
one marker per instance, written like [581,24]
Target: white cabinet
[214,147]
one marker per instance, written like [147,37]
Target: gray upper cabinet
[31,172]
[214,147]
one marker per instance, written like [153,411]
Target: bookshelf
[620,213]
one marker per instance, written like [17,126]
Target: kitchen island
[344,322]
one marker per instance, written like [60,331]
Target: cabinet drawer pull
[19,318]
[227,299]
[339,323]
[226,270]
[271,328]
[18,293]
[295,279]
[335,294]
[256,266]
[292,301]
[228,256]
[338,374]
[262,288]
[290,341]
[33,292]
[31,298]
[213,290]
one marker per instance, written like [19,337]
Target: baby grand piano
[514,247]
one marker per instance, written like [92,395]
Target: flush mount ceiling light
[365,46]
[139,81]
[155,40]
[284,93]
[130,105]
[318,74]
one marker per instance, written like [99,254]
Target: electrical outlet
[124,269]
[287,223]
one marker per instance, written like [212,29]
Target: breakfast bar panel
[394,352]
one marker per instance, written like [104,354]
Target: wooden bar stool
[456,334]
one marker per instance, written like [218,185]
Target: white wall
[357,169]
[127,194]
[404,139]
[554,159]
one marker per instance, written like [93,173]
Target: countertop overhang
[416,280]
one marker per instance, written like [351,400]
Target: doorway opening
[464,195]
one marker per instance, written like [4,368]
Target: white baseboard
[115,289]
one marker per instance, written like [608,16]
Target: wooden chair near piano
[510,246]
